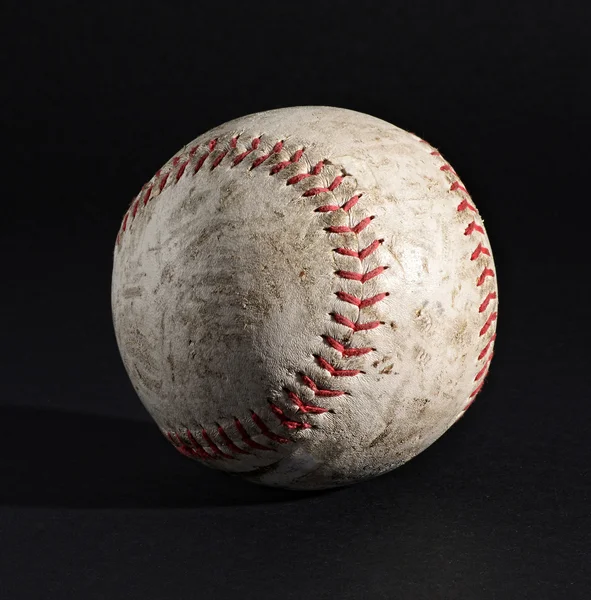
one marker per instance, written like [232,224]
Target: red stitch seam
[315,170]
[347,206]
[342,320]
[485,273]
[195,445]
[356,229]
[478,252]
[362,277]
[190,451]
[491,318]
[330,393]
[321,190]
[485,368]
[229,443]
[480,249]
[465,205]
[286,422]
[360,254]
[334,371]
[472,228]
[247,439]
[361,302]
[267,432]
[286,163]
[261,159]
[253,146]
[216,450]
[181,170]
[194,449]
[346,350]
[488,345]
[161,180]
[491,296]
[303,407]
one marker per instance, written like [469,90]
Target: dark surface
[94,504]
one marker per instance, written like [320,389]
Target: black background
[93,502]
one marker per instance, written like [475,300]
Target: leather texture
[310,309]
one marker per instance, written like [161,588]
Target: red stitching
[321,190]
[261,159]
[491,319]
[286,421]
[194,449]
[147,194]
[303,407]
[346,351]
[361,254]
[456,185]
[282,165]
[334,371]
[247,439]
[357,229]
[491,296]
[320,391]
[200,450]
[472,228]
[178,166]
[211,145]
[342,320]
[231,445]
[479,251]
[485,273]
[484,369]
[361,302]
[253,146]
[190,451]
[316,169]
[213,445]
[347,206]
[267,432]
[465,205]
[475,392]
[485,349]
[362,277]
[163,181]
[181,170]
[218,159]
[200,162]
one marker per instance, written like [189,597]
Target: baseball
[305,297]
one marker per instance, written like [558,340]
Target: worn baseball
[305,297]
